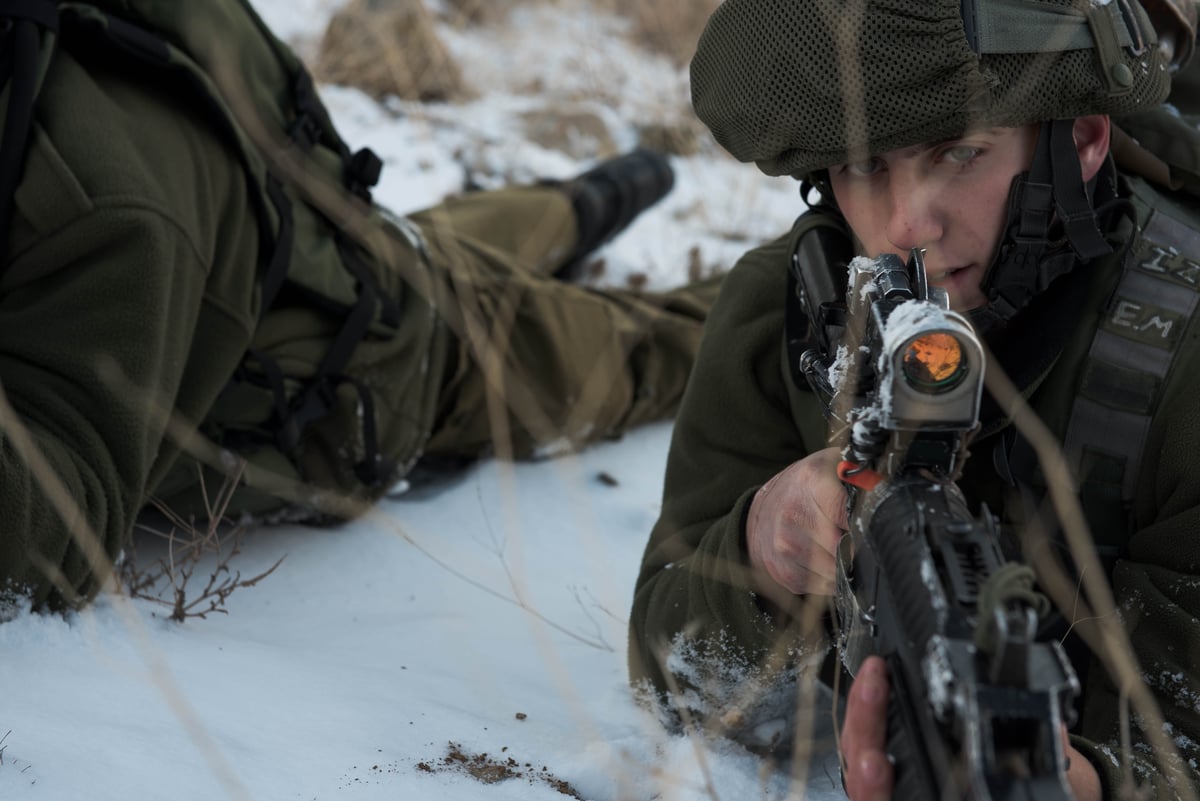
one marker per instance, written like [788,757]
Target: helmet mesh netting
[798,85]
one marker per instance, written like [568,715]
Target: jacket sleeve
[95,326]
[698,627]
[127,296]
[1157,592]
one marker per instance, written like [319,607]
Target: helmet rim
[763,83]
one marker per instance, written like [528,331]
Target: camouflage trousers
[539,365]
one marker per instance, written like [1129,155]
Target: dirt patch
[489,769]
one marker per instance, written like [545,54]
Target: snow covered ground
[469,645]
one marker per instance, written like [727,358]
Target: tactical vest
[216,52]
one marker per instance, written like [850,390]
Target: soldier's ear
[1091,135]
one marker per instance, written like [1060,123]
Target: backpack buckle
[304,130]
[363,172]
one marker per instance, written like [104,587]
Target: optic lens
[934,362]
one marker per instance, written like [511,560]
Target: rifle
[977,700]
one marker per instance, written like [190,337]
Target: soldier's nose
[913,220]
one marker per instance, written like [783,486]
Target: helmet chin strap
[1048,207]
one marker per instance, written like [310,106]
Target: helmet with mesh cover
[800,85]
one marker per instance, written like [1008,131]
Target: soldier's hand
[796,520]
[868,773]
[1081,773]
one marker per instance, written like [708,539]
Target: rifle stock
[978,701]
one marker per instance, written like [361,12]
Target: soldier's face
[949,197]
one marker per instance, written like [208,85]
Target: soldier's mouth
[942,276]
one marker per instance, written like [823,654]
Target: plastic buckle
[363,172]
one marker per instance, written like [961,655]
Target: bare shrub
[681,138]
[168,580]
[388,48]
[478,12]
[575,129]
[670,27]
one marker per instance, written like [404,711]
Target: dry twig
[168,581]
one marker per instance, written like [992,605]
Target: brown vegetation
[388,48]
[392,48]
[167,581]
[479,12]
[670,27]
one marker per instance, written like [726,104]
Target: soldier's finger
[816,582]
[833,507]
[873,778]
[869,774]
[866,710]
[808,571]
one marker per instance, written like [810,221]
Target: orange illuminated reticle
[934,361]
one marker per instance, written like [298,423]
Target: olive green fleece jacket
[123,295]
[129,297]
[696,609]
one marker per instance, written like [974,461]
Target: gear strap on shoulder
[1052,193]
[1132,353]
[816,288]
[23,25]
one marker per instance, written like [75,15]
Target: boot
[609,196]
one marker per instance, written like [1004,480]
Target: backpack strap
[312,125]
[1131,354]
[23,24]
[814,314]
[361,171]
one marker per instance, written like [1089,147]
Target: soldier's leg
[543,367]
[548,228]
[541,364]
[531,228]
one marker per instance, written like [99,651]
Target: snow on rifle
[978,701]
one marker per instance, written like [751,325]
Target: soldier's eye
[960,154]
[864,168]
